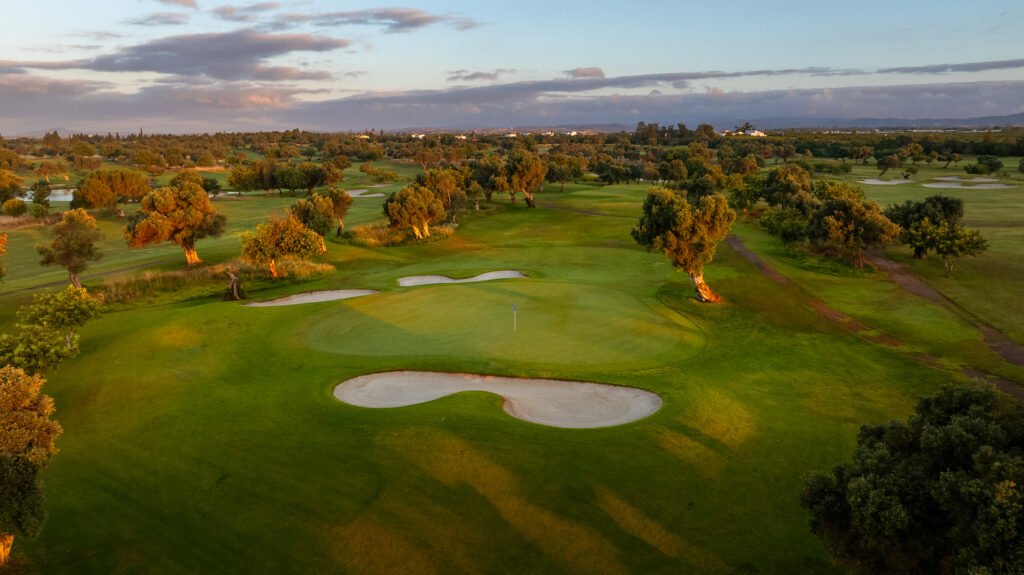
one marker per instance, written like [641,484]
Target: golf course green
[205,436]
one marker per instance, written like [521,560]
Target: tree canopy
[280,237]
[107,188]
[73,245]
[687,234]
[938,494]
[413,207]
[181,214]
[844,226]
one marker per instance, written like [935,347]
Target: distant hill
[63,132]
[920,123]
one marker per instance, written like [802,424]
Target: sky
[187,66]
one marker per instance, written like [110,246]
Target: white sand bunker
[363,194]
[877,182]
[486,276]
[959,179]
[960,185]
[570,404]
[313,297]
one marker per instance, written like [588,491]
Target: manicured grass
[202,436]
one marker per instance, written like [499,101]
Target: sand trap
[313,297]
[486,276]
[571,404]
[959,179]
[363,194]
[960,185]
[877,182]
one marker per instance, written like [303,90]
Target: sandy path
[961,186]
[363,194]
[313,297]
[968,180]
[877,182]
[1009,350]
[486,276]
[570,404]
[767,269]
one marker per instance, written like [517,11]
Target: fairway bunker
[961,186]
[364,194]
[486,276]
[966,180]
[877,182]
[314,297]
[569,404]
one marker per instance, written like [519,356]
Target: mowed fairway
[203,436]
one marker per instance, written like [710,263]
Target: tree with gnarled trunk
[26,443]
[687,235]
[73,245]
[845,226]
[182,215]
[413,207]
[340,200]
[277,238]
[525,174]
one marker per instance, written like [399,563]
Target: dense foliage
[941,493]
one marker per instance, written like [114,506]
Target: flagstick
[513,319]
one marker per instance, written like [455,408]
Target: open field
[203,436]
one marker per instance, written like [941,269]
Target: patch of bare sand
[961,186]
[570,404]
[313,297]
[968,180]
[486,276]
[877,182]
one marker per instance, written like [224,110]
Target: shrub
[15,207]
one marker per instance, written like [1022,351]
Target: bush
[382,235]
[206,281]
[15,207]
[39,211]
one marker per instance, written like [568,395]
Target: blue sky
[205,65]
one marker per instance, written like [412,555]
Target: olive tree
[181,214]
[73,245]
[687,234]
[413,207]
[277,238]
[937,494]
[27,435]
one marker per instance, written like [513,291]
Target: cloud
[99,35]
[234,55]
[467,76]
[393,20]
[247,13]
[585,73]
[965,67]
[185,3]
[160,19]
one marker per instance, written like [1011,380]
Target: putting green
[558,323]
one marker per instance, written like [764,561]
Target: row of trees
[832,218]
[46,336]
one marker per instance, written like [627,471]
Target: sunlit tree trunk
[273,269]
[703,290]
[75,280]
[191,256]
[341,226]
[323,245]
[6,542]
[416,231]
[426,229]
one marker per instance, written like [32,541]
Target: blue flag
[513,307]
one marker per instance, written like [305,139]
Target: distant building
[364,136]
[755,133]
